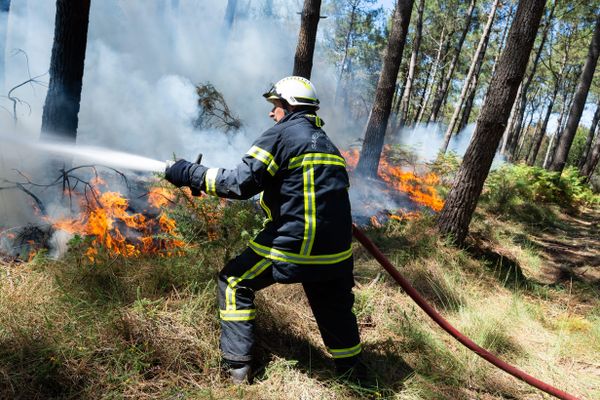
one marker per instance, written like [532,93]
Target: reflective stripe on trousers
[331,302]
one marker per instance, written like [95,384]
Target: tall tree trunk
[436,66]
[60,116]
[395,117]
[472,90]
[4,10]
[368,162]
[423,98]
[591,162]
[513,136]
[462,199]
[442,91]
[463,94]
[501,45]
[567,101]
[464,119]
[590,137]
[347,43]
[303,61]
[539,136]
[405,104]
[230,15]
[511,121]
[585,80]
[525,128]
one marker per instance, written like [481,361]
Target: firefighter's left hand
[179,173]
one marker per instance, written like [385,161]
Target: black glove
[185,173]
[179,174]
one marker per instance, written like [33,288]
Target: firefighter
[303,185]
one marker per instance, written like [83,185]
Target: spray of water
[91,154]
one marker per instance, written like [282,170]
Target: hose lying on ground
[480,351]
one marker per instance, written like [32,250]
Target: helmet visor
[272,94]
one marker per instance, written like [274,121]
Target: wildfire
[107,218]
[421,189]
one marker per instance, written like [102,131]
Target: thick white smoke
[143,61]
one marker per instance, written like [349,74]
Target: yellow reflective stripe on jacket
[252,273]
[272,168]
[237,315]
[260,154]
[310,210]
[265,157]
[264,207]
[210,181]
[344,353]
[318,121]
[316,158]
[280,255]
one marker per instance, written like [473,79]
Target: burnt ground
[571,249]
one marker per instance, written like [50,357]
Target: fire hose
[445,325]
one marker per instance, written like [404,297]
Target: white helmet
[296,90]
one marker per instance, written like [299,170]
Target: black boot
[239,372]
[352,369]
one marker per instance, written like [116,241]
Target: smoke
[425,140]
[143,61]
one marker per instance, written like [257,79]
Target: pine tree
[60,116]
[462,199]
[368,162]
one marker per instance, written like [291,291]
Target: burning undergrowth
[108,219]
[121,226]
[399,193]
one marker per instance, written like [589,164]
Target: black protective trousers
[331,302]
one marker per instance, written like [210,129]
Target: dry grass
[148,329]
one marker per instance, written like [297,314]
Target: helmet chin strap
[287,110]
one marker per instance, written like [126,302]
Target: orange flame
[121,232]
[420,189]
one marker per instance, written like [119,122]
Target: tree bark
[513,137]
[462,199]
[61,108]
[443,89]
[368,162]
[585,81]
[463,95]
[405,103]
[592,160]
[4,11]
[303,61]
[590,137]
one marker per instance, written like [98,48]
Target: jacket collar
[311,116]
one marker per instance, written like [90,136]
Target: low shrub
[524,190]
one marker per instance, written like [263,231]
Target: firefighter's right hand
[179,173]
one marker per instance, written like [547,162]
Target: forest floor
[572,249]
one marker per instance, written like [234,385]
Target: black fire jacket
[304,185]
